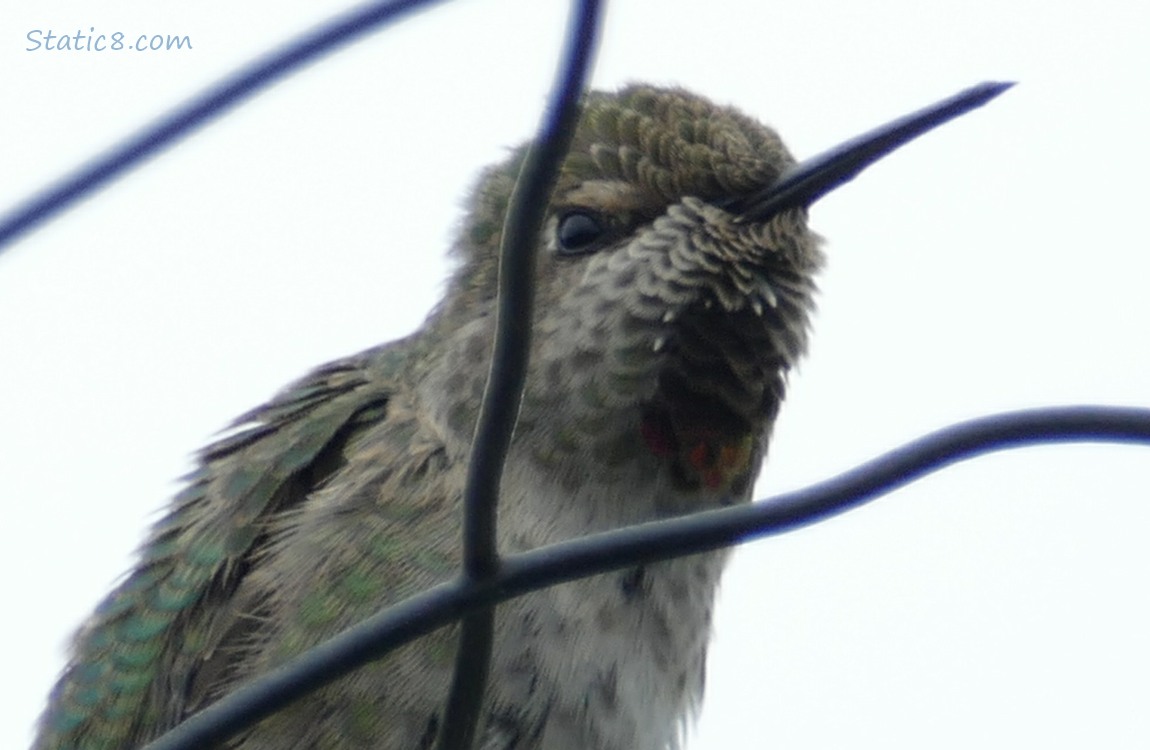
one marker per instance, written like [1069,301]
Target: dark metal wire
[646,543]
[200,110]
[525,214]
[502,396]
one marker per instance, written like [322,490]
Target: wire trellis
[488,578]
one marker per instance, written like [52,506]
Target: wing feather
[133,666]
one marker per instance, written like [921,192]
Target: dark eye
[578,231]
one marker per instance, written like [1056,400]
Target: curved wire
[502,396]
[646,543]
[198,111]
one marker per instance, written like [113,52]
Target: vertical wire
[502,396]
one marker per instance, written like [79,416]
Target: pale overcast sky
[1001,262]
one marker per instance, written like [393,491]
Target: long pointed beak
[810,180]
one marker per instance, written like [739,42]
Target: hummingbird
[675,284]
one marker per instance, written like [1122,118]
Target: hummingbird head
[675,285]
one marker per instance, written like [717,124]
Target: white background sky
[1001,262]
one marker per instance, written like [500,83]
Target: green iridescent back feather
[157,625]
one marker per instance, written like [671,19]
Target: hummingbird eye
[578,231]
